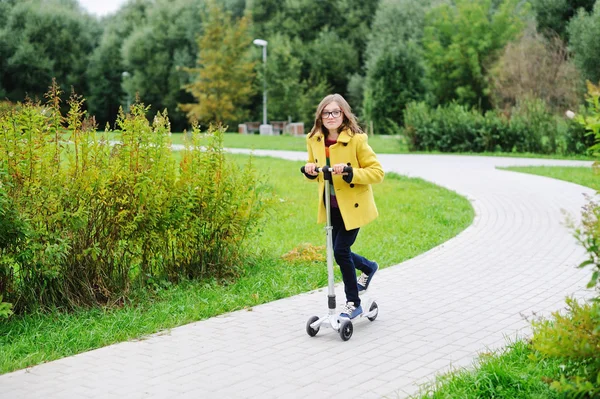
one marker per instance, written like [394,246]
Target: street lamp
[126,76]
[264,128]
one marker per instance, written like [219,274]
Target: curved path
[437,311]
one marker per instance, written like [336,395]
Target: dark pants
[345,258]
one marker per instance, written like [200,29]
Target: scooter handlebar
[326,169]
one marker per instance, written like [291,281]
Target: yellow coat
[355,199]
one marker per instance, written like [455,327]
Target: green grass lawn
[584,176]
[380,144]
[414,216]
[504,375]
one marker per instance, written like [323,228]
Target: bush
[590,117]
[575,338]
[102,218]
[527,127]
[534,127]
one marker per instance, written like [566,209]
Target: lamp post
[264,128]
[126,76]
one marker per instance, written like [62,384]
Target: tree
[222,81]
[584,31]
[461,40]
[324,30]
[267,16]
[553,16]
[394,63]
[40,41]
[155,53]
[283,76]
[394,81]
[104,76]
[106,67]
[333,60]
[536,67]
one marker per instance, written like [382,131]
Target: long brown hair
[350,122]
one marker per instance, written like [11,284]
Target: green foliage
[5,309]
[386,32]
[288,94]
[394,65]
[156,51]
[105,71]
[448,129]
[103,218]
[11,226]
[356,92]
[574,338]
[105,74]
[536,67]
[534,128]
[584,30]
[394,81]
[332,58]
[41,40]
[529,128]
[283,76]
[590,120]
[506,374]
[553,16]
[588,235]
[330,36]
[461,39]
[222,82]
[12,232]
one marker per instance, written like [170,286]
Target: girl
[337,141]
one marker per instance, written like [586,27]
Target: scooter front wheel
[309,330]
[346,330]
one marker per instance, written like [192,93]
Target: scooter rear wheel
[373,307]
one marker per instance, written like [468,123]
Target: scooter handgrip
[347,169]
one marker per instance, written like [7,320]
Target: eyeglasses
[335,114]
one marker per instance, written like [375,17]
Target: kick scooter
[342,325]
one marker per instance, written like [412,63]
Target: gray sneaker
[365,279]
[349,311]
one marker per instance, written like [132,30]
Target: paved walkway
[437,311]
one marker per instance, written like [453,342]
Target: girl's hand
[309,169]
[338,169]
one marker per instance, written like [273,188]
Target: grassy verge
[516,372]
[415,216]
[503,375]
[584,176]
